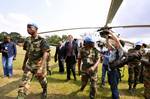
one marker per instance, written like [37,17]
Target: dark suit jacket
[59,53]
[71,59]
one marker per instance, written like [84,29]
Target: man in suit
[59,55]
[71,52]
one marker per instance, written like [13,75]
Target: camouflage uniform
[146,64]
[89,58]
[35,47]
[49,71]
[134,68]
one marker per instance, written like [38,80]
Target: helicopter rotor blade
[67,29]
[132,26]
[115,4]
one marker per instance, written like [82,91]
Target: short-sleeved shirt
[135,62]
[35,48]
[88,57]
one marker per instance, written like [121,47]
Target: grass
[58,88]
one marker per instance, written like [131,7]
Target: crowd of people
[86,56]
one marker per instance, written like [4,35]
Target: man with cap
[134,68]
[89,56]
[35,61]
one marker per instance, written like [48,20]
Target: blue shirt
[10,47]
[106,58]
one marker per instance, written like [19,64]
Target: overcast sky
[58,14]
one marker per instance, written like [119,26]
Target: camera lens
[104,34]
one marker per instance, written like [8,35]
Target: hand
[5,51]
[39,73]
[14,58]
[90,70]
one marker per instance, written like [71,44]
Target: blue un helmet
[32,24]
[88,40]
[138,45]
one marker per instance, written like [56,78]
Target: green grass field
[58,88]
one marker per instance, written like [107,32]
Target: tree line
[18,38]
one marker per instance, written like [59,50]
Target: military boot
[44,94]
[20,96]
[130,89]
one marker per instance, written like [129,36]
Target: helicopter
[114,7]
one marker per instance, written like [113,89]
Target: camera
[103,33]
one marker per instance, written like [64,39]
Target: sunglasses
[29,26]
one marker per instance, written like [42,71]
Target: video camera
[103,31]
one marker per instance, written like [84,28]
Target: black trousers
[61,65]
[70,65]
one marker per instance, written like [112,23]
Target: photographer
[9,51]
[116,52]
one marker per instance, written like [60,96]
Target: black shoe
[82,88]
[92,97]
[68,79]
[75,79]
[44,94]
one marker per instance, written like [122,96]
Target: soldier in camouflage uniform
[146,67]
[35,62]
[134,68]
[90,59]
[49,71]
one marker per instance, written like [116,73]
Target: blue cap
[140,43]
[32,24]
[88,40]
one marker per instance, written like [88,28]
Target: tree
[2,34]
[15,36]
[64,37]
[53,40]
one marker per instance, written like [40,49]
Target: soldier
[146,66]
[34,62]
[90,60]
[134,68]
[49,71]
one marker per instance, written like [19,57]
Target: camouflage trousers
[147,83]
[134,74]
[93,83]
[26,79]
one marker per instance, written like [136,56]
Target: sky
[59,14]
